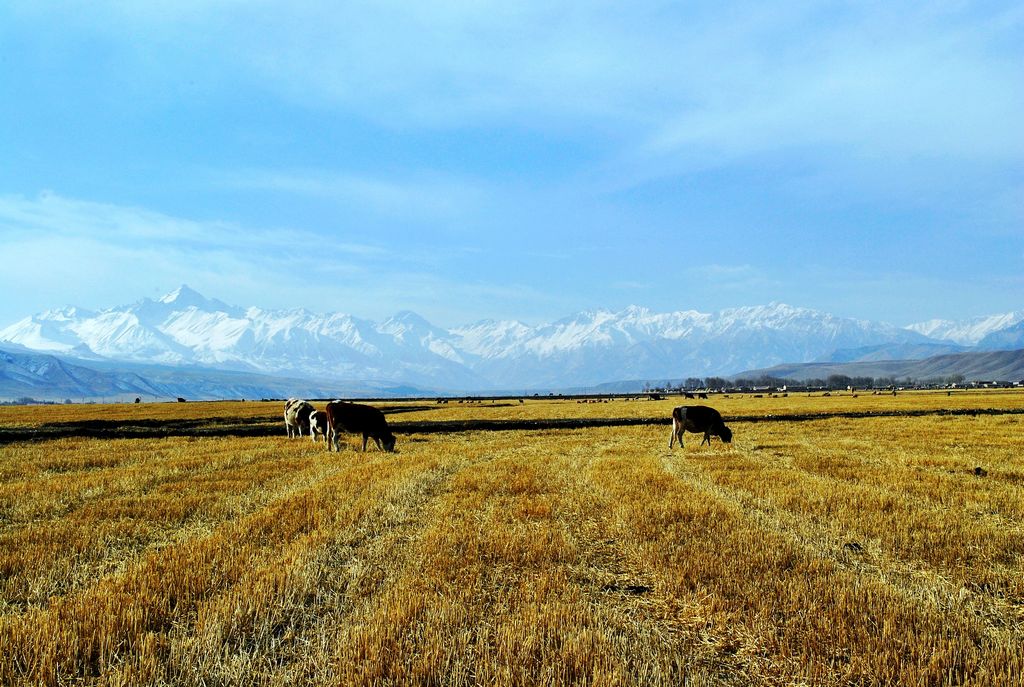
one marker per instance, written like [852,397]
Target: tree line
[832,383]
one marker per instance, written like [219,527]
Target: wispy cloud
[426,195]
[52,217]
[738,76]
[60,250]
[57,244]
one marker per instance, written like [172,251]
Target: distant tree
[694,383]
[839,381]
[716,383]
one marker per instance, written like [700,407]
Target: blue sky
[514,160]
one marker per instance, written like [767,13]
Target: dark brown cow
[356,418]
[698,419]
[296,416]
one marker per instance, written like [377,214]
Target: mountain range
[187,331]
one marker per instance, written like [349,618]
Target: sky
[527,160]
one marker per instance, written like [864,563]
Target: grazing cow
[698,419]
[318,425]
[296,416]
[356,418]
[687,394]
[702,395]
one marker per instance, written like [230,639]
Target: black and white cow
[296,416]
[318,425]
[698,419]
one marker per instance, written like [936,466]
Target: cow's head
[726,434]
[388,442]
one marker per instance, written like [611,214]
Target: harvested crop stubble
[833,552]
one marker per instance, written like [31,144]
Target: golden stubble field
[827,552]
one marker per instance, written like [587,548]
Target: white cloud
[427,195]
[52,217]
[99,254]
[62,251]
[718,79]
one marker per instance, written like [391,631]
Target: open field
[833,551]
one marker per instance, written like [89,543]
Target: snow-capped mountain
[594,347]
[968,332]
[186,328]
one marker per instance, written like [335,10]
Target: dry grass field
[842,550]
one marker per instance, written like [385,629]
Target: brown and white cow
[698,419]
[318,425]
[356,418]
[296,416]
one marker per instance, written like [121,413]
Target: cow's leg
[365,438]
[678,430]
[707,438]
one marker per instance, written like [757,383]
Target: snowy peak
[967,332]
[70,312]
[184,297]
[407,325]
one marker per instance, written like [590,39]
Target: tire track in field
[507,575]
[871,487]
[393,609]
[328,573]
[612,576]
[915,580]
[105,532]
[127,616]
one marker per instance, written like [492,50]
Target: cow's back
[355,417]
[697,418]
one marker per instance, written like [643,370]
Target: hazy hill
[42,376]
[990,365]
